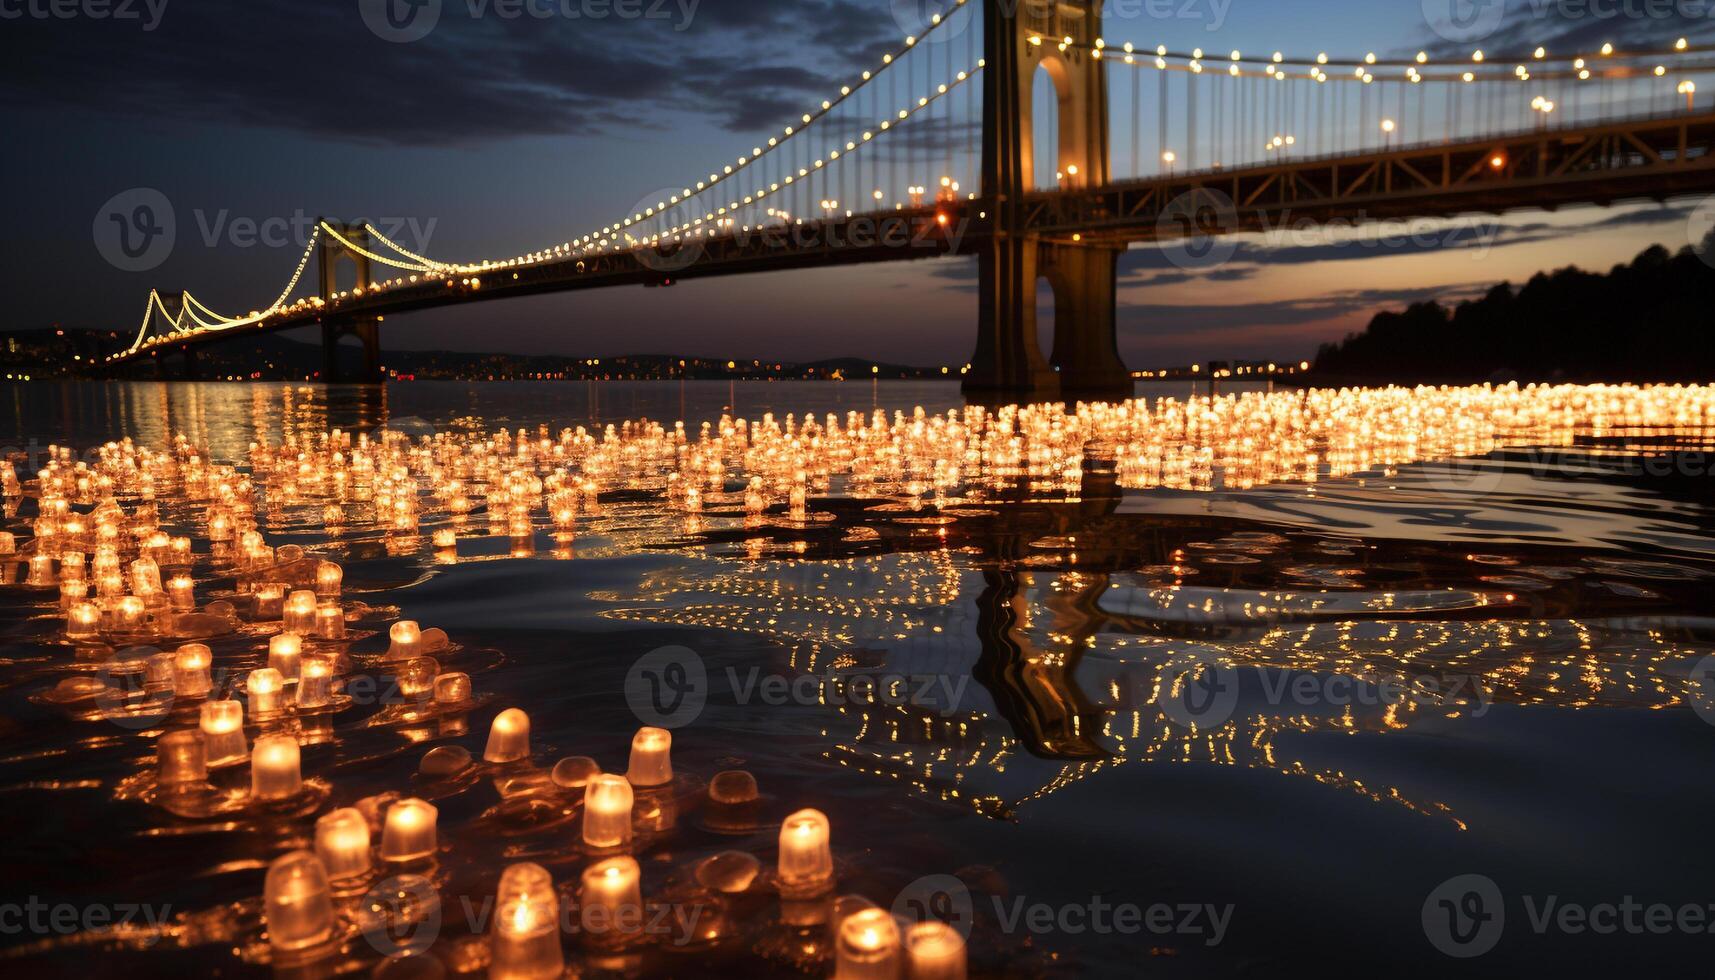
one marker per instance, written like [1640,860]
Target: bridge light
[1540,53]
[1607,49]
[1161,50]
[1469,77]
[1370,58]
[1498,161]
[1477,56]
[1036,40]
[1584,75]
[1679,45]
[1387,125]
[1236,54]
[1660,70]
[1423,57]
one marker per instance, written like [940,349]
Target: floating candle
[806,863]
[416,679]
[130,614]
[328,578]
[508,737]
[285,654]
[180,760]
[404,637]
[607,811]
[574,772]
[299,613]
[83,621]
[868,947]
[270,600]
[222,724]
[274,772]
[409,834]
[342,843]
[315,683]
[330,621]
[934,950]
[145,577]
[651,758]
[452,688]
[181,593]
[41,570]
[610,899]
[525,942]
[191,671]
[297,902]
[265,687]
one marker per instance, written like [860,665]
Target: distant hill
[1652,320]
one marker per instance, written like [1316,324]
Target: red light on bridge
[941,218]
[1498,161]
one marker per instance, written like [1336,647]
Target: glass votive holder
[298,903]
[409,833]
[733,787]
[270,600]
[328,578]
[508,737]
[416,679]
[315,683]
[130,614]
[868,947]
[610,900]
[179,552]
[267,691]
[574,772]
[452,688]
[72,592]
[274,768]
[404,640]
[299,614]
[181,593]
[41,571]
[607,811]
[651,758]
[330,621]
[191,665]
[159,672]
[934,950]
[83,621]
[222,724]
[180,759]
[806,865]
[286,655]
[525,941]
[342,843]
[145,577]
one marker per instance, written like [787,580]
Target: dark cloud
[315,68]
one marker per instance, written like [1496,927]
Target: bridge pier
[1008,361]
[366,329]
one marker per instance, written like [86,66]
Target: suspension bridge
[990,133]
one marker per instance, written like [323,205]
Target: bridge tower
[366,328]
[1008,361]
[172,308]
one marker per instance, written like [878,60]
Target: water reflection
[992,608]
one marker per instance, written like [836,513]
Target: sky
[511,124]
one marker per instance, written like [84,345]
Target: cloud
[315,69]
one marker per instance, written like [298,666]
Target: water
[1375,683]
